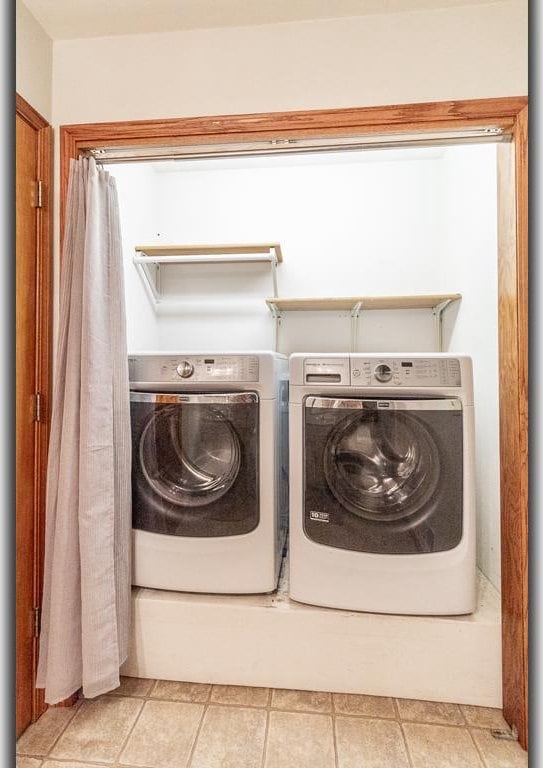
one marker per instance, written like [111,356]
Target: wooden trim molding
[398,118]
[44,322]
[507,113]
[28,113]
[513,350]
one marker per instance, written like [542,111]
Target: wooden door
[32,258]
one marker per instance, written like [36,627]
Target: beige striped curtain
[86,601]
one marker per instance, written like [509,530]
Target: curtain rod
[490,134]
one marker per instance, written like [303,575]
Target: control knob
[185,369]
[383,372]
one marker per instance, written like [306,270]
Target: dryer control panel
[194,368]
[406,372]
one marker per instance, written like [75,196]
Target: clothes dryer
[382,509]
[209,470]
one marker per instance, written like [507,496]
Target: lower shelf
[272,641]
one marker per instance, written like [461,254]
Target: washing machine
[382,508]
[209,470]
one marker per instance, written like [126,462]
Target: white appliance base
[272,641]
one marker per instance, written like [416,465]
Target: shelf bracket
[437,312]
[276,315]
[158,279]
[273,264]
[148,282]
[355,317]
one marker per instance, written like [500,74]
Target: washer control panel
[216,368]
[405,372]
[185,369]
[327,370]
[383,372]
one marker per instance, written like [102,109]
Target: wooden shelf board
[209,250]
[367,302]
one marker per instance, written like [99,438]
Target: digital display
[209,362]
[407,365]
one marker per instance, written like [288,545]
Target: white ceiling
[103,18]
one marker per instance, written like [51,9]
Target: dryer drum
[382,466]
[189,456]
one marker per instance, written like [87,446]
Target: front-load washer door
[383,476]
[195,463]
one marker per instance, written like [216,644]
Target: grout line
[43,755]
[325,712]
[205,708]
[76,707]
[389,719]
[435,724]
[266,735]
[165,698]
[464,718]
[152,689]
[302,711]
[130,732]
[406,745]
[69,761]
[477,749]
[333,711]
[239,704]
[143,696]
[334,737]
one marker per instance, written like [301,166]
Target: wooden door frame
[43,373]
[511,114]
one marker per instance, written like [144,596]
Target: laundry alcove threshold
[272,641]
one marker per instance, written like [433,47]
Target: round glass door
[382,466]
[190,456]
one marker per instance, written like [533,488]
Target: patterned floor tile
[242,695]
[483,717]
[170,689]
[440,746]
[356,704]
[297,740]
[164,735]
[370,743]
[98,730]
[429,712]
[308,701]
[41,735]
[498,753]
[231,737]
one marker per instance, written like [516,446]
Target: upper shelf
[206,254]
[429,301]
[149,258]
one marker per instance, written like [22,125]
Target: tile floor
[164,724]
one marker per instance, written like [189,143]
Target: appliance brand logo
[321,517]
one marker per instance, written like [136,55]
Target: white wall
[371,222]
[328,211]
[427,55]
[138,212]
[470,266]
[33,61]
